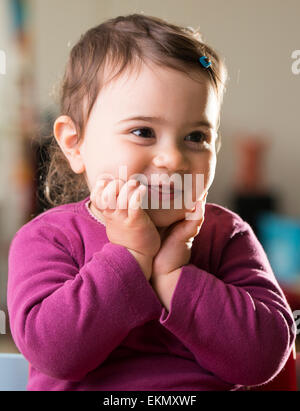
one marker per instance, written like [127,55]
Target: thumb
[197,213]
[191,225]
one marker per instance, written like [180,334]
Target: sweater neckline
[87,207]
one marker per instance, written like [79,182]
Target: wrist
[164,285]
[144,261]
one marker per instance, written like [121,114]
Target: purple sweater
[85,317]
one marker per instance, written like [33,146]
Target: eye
[198,137]
[146,132]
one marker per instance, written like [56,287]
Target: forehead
[152,90]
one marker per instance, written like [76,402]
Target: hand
[175,251]
[127,224]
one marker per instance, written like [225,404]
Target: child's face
[171,146]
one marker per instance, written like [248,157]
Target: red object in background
[251,175]
[286,380]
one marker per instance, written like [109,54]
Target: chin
[164,218]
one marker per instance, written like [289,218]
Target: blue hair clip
[205,62]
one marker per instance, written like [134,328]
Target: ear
[66,136]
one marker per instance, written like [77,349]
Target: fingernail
[132,183]
[100,184]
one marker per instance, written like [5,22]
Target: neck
[96,213]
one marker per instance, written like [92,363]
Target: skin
[150,147]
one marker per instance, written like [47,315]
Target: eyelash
[205,136]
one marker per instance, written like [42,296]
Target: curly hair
[120,43]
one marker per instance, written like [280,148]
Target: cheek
[211,169]
[100,159]
[119,164]
[206,169]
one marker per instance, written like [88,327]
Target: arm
[144,262]
[237,323]
[164,287]
[67,320]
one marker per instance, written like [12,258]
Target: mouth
[162,189]
[165,191]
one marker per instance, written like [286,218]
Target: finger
[111,193]
[97,193]
[125,194]
[193,212]
[134,207]
[194,221]
[103,192]
[189,227]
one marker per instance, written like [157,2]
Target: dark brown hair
[120,43]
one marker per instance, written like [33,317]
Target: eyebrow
[161,120]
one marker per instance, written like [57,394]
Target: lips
[165,191]
[162,189]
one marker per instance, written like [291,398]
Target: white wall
[257,38]
[58,26]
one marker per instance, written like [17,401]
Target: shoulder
[222,230]
[59,217]
[58,225]
[224,220]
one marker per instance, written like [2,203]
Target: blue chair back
[13,372]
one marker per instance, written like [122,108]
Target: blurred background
[258,165]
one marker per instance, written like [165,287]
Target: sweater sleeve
[66,320]
[237,323]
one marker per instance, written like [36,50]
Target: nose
[170,158]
